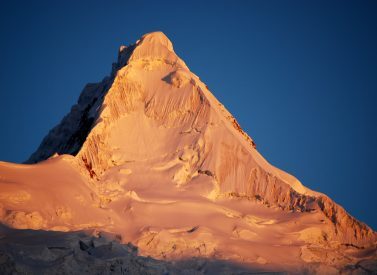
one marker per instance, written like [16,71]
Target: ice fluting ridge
[70,134]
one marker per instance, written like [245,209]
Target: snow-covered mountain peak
[153,129]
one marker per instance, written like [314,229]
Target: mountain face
[150,155]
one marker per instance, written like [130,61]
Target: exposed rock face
[153,128]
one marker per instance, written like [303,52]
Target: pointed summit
[155,38]
[156,46]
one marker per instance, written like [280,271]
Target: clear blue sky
[300,76]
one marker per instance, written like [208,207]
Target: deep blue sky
[300,76]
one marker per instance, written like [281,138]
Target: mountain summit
[149,154]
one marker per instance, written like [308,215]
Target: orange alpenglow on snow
[150,163]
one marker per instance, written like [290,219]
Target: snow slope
[159,161]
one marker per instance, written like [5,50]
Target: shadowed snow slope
[151,155]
